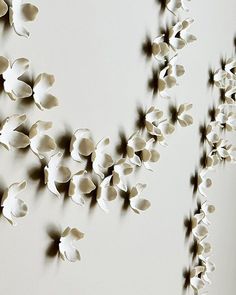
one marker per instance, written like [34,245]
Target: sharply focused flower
[41,143]
[42,98]
[55,173]
[157,126]
[9,137]
[81,144]
[105,193]
[11,205]
[3,8]
[196,281]
[80,184]
[184,34]
[183,118]
[120,170]
[20,13]
[137,203]
[140,151]
[11,74]
[67,246]
[203,248]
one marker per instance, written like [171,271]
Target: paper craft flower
[140,151]
[67,247]
[184,34]
[196,281]
[3,8]
[137,203]
[204,182]
[209,267]
[157,126]
[120,170]
[41,143]
[81,144]
[101,161]
[43,99]
[160,49]
[20,13]
[199,230]
[203,248]
[212,134]
[11,74]
[80,185]
[230,68]
[226,118]
[183,118]
[55,173]
[229,94]
[11,205]
[175,5]
[205,210]
[105,193]
[9,137]
[168,76]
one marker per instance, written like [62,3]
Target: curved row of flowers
[108,177]
[218,150]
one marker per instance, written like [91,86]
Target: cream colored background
[94,50]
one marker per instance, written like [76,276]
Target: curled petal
[13,207]
[42,98]
[20,13]
[67,246]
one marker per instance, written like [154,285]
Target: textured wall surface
[94,50]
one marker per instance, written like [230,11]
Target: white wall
[94,50]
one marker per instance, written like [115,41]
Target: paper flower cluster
[101,176]
[17,88]
[218,150]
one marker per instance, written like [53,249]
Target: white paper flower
[230,68]
[137,203]
[41,143]
[229,94]
[55,173]
[203,248]
[184,34]
[221,78]
[211,161]
[209,267]
[120,170]
[175,5]
[9,137]
[105,193]
[160,49]
[3,8]
[212,133]
[80,185]
[140,151]
[197,282]
[20,13]
[226,118]
[67,247]
[204,182]
[183,118]
[199,230]
[11,74]
[11,205]
[206,209]
[168,76]
[43,99]
[176,38]
[157,126]
[101,161]
[81,144]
